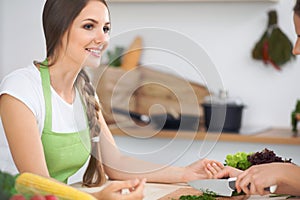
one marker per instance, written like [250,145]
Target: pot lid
[222,98]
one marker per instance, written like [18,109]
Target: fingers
[238,182]
[225,172]
[244,184]
[119,185]
[213,168]
[140,187]
[137,192]
[250,183]
[208,173]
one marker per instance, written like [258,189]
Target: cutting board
[191,191]
[175,195]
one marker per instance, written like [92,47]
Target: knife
[222,187]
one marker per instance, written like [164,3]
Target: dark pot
[164,121]
[222,117]
[183,122]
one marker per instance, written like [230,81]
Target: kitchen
[226,30]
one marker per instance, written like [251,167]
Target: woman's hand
[258,177]
[113,191]
[228,172]
[202,169]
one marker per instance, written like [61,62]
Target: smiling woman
[52,109]
[48,99]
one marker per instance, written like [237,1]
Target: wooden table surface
[155,191]
[269,136]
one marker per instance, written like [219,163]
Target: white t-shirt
[25,85]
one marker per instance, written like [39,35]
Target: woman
[38,105]
[285,176]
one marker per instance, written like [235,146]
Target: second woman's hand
[113,191]
[228,171]
[202,169]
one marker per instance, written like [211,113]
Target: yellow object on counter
[132,56]
[32,184]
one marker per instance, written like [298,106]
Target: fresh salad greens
[238,160]
[197,197]
[207,195]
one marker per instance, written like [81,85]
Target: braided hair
[94,175]
[58,16]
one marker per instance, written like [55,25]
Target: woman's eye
[88,26]
[106,29]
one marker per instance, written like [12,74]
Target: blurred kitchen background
[227,31]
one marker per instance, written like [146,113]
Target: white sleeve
[26,87]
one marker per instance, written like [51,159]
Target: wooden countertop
[270,136]
[156,191]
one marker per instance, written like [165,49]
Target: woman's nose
[296,49]
[101,37]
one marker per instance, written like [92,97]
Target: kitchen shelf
[271,136]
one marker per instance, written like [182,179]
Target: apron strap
[45,76]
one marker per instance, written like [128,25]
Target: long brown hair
[297,8]
[58,15]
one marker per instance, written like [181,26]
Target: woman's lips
[94,52]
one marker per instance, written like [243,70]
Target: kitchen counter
[269,136]
[184,147]
[155,191]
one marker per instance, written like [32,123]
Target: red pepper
[266,57]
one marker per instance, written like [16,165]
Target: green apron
[65,153]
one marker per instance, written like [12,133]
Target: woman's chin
[92,64]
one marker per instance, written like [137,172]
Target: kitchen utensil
[222,187]
[222,113]
[231,120]
[165,120]
[143,118]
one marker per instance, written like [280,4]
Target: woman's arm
[118,166]
[23,137]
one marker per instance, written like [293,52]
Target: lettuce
[238,160]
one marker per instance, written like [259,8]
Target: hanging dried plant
[274,47]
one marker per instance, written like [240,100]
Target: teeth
[94,51]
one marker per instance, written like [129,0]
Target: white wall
[1,37]
[227,31]
[22,39]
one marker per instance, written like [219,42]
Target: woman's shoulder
[30,72]
[25,85]
[23,77]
